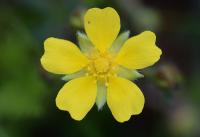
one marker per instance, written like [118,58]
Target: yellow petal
[124,98]
[139,52]
[102,26]
[62,56]
[77,97]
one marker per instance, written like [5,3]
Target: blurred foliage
[21,86]
[171,87]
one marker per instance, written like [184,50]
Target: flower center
[101,65]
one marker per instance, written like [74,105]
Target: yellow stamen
[101,66]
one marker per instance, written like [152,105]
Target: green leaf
[128,73]
[118,43]
[101,94]
[74,75]
[85,44]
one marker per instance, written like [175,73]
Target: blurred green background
[171,87]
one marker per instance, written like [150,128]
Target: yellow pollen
[101,65]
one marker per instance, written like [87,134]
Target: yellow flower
[102,71]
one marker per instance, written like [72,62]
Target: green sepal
[128,73]
[118,43]
[74,75]
[101,94]
[85,44]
